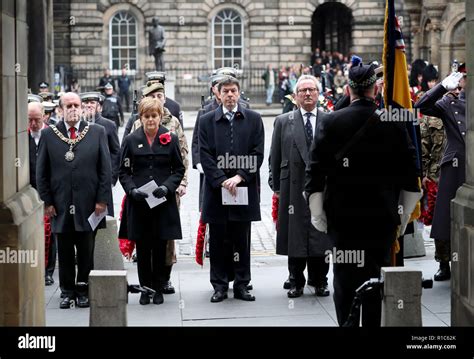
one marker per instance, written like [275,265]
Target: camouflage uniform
[433,140]
[174,126]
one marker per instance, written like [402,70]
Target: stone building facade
[204,34]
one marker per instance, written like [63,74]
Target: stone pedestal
[107,255]
[414,244]
[401,306]
[108,298]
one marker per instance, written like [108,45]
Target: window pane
[115,41]
[132,41]
[115,64]
[218,40]
[228,40]
[237,29]
[227,29]
[132,53]
[217,52]
[227,52]
[124,53]
[123,28]
[133,65]
[237,53]
[115,53]
[227,63]
[131,29]
[237,41]
[114,29]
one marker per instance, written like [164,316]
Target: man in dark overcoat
[360,167]
[231,145]
[73,175]
[296,237]
[451,109]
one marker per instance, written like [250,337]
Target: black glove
[160,192]
[138,195]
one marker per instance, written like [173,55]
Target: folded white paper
[95,220]
[241,199]
[148,188]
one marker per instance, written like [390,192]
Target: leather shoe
[48,280]
[83,301]
[322,290]
[218,296]
[67,302]
[144,299]
[168,288]
[443,273]
[295,292]
[158,298]
[287,284]
[243,295]
[249,286]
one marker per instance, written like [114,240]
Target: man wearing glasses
[293,135]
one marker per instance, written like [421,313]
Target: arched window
[123,41]
[227,39]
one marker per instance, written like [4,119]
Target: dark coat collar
[61,126]
[239,115]
[141,136]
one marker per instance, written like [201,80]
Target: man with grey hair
[292,137]
[231,131]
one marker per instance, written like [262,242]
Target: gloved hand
[452,81]
[138,195]
[160,192]
[407,202]
[199,168]
[318,216]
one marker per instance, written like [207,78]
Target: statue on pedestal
[156,44]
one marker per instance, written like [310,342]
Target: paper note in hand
[95,220]
[148,188]
[241,199]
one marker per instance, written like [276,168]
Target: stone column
[462,208]
[435,33]
[21,211]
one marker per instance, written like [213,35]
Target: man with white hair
[292,137]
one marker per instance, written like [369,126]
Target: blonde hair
[149,104]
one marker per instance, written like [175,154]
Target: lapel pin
[140,145]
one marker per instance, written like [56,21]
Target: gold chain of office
[69,156]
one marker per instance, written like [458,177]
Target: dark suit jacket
[214,141]
[113,144]
[362,188]
[33,151]
[74,187]
[139,165]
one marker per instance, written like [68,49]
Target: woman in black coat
[151,153]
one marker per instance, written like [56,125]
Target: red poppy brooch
[165,138]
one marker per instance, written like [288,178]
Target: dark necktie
[73,133]
[309,128]
[230,117]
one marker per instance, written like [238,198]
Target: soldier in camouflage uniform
[169,121]
[433,140]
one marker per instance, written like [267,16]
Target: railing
[190,83]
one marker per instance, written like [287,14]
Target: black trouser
[317,270]
[83,242]
[125,99]
[350,276]
[167,273]
[151,259]
[49,270]
[229,247]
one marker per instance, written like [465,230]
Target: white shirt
[76,126]
[225,110]
[37,135]
[312,119]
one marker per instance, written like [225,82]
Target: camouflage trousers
[443,250]
[170,247]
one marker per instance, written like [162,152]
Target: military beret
[155,76]
[108,85]
[43,85]
[152,88]
[34,98]
[90,96]
[361,76]
[48,106]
